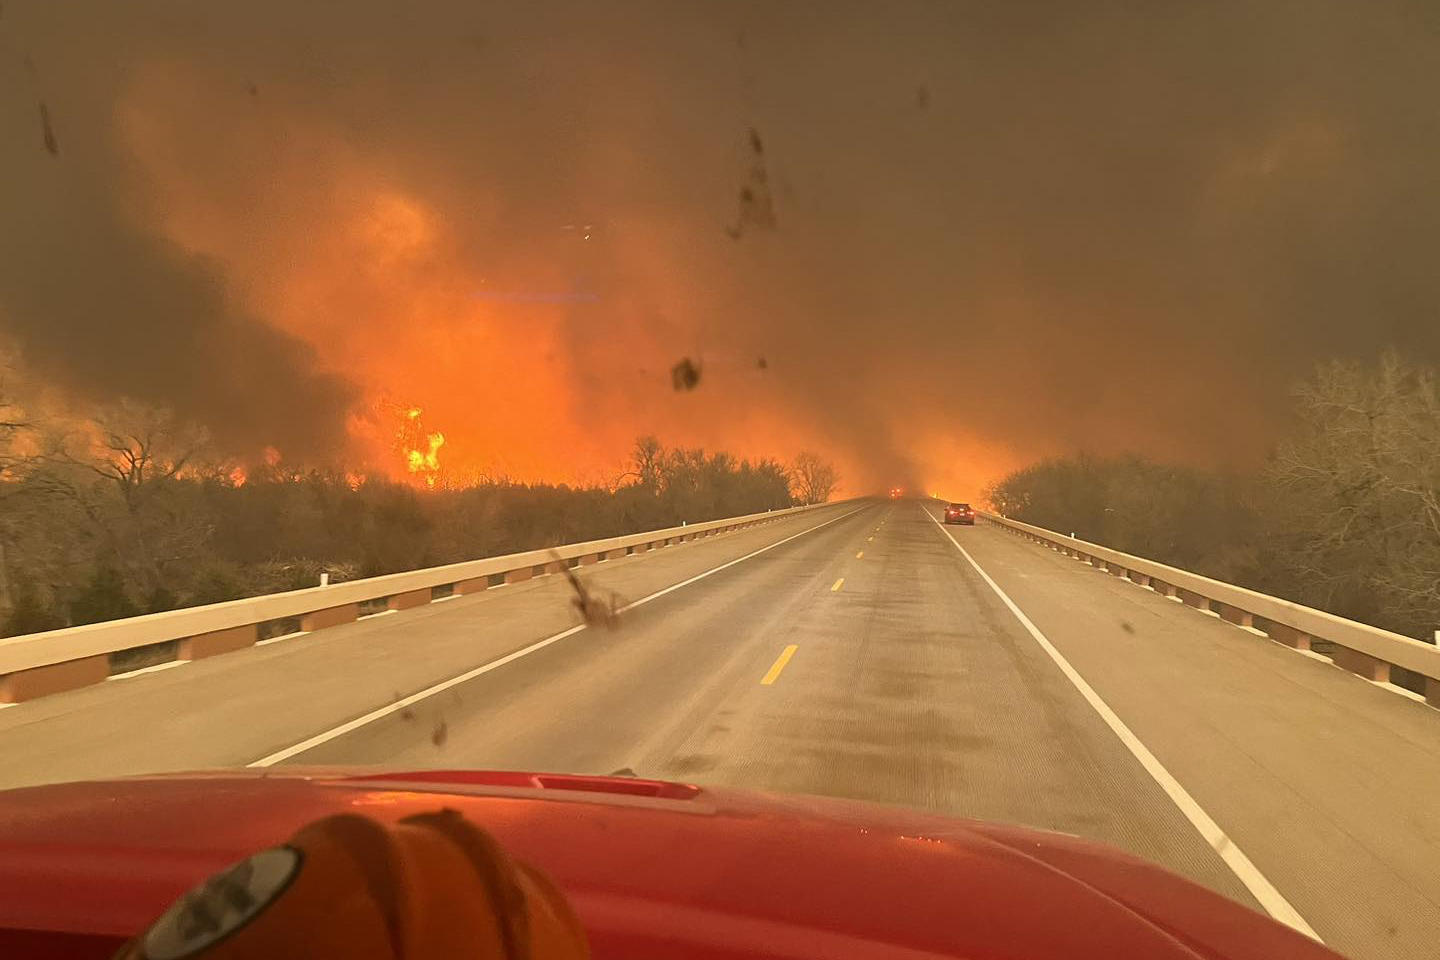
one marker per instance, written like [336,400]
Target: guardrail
[39,664]
[1368,651]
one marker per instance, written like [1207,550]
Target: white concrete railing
[1359,648]
[42,663]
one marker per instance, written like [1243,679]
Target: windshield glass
[564,387]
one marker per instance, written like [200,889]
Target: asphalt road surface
[862,651]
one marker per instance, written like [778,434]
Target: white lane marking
[401,704]
[155,668]
[1264,891]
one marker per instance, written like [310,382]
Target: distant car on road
[960,513]
[896,493]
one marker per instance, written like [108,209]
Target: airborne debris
[596,609]
[757,209]
[1125,625]
[685,375]
[253,90]
[922,98]
[762,363]
[47,132]
[440,734]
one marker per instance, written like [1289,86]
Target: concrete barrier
[1364,650]
[216,643]
[38,664]
[410,598]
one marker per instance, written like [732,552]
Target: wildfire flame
[423,461]
[421,449]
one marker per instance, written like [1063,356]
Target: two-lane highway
[858,651]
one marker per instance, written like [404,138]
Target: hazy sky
[975,233]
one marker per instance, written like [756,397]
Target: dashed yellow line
[836,585]
[779,664]
[859,554]
[868,539]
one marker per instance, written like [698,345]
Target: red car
[896,493]
[960,513]
[654,869]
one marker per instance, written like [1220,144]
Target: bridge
[1284,757]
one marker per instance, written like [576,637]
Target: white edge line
[401,704]
[1263,890]
[153,668]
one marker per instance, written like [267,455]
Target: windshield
[567,387]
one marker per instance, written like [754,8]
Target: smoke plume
[961,236]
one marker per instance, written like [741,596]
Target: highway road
[862,651]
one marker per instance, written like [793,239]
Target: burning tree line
[1344,515]
[146,519]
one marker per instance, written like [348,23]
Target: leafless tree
[139,448]
[1359,489]
[812,479]
[134,456]
[647,462]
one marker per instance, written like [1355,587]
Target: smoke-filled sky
[970,235]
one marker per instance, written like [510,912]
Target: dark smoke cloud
[1032,226]
[95,297]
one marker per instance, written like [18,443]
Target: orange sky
[374,276]
[962,237]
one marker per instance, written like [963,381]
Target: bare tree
[12,421]
[647,462]
[135,456]
[139,448]
[813,479]
[1358,491]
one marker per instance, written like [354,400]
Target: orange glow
[383,280]
[238,476]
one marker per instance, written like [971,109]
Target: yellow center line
[859,554]
[836,585]
[779,664]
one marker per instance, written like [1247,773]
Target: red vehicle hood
[654,869]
